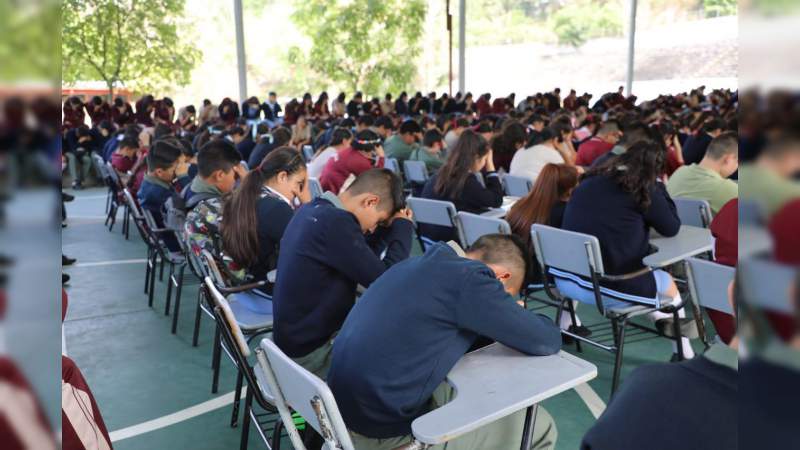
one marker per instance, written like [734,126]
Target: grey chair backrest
[100,166]
[308,152]
[694,212]
[295,388]
[415,171]
[766,284]
[315,186]
[391,164]
[474,226]
[567,250]
[750,213]
[435,212]
[132,205]
[708,283]
[112,172]
[517,186]
[210,268]
[227,313]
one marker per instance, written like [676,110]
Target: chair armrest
[627,276]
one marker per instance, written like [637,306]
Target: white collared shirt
[281,196]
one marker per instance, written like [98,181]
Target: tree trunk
[110,84]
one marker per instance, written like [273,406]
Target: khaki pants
[503,434]
[318,362]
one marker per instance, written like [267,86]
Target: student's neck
[711,165]
[773,165]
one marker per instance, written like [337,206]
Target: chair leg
[276,434]
[618,359]
[152,287]
[178,289]
[161,270]
[197,313]
[127,222]
[574,322]
[676,328]
[215,355]
[236,400]
[169,288]
[147,271]
[248,405]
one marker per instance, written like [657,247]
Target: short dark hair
[713,125]
[385,122]
[366,120]
[431,138]
[725,144]
[272,93]
[410,126]
[219,154]
[385,184]
[163,154]
[462,122]
[129,142]
[505,249]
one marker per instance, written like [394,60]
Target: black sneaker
[66,261]
[64,279]
[67,197]
[76,185]
[580,330]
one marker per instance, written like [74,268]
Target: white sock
[566,320]
[688,352]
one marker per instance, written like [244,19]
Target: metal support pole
[462,45]
[240,55]
[631,45]
[449,48]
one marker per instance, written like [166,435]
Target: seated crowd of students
[610,170]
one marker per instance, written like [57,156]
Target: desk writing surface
[494,382]
[499,213]
[690,241]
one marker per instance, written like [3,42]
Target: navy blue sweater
[689,406]
[474,198]
[324,256]
[411,327]
[599,207]
[695,147]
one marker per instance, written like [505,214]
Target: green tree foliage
[715,8]
[135,42]
[28,48]
[577,22]
[367,45]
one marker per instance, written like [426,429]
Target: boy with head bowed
[409,329]
[331,246]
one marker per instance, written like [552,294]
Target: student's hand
[404,213]
[240,171]
[490,161]
[379,151]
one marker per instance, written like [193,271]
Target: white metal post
[462,45]
[240,54]
[631,46]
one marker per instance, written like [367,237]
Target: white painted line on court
[71,217]
[89,197]
[593,401]
[110,263]
[177,417]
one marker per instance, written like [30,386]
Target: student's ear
[370,201]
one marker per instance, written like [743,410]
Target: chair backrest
[308,152]
[296,388]
[694,212]
[567,251]
[750,213]
[517,186]
[435,212]
[100,167]
[112,173]
[708,283]
[766,284]
[133,206]
[415,172]
[315,187]
[210,267]
[474,226]
[391,164]
[229,322]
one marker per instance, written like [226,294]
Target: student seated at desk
[545,204]
[708,180]
[325,255]
[431,152]
[457,182]
[163,167]
[341,139]
[365,152]
[618,202]
[691,405]
[400,145]
[255,216]
[415,322]
[770,179]
[555,148]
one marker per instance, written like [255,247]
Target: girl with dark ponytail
[255,215]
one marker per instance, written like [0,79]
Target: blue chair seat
[253,311]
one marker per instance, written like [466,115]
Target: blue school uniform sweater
[411,327]
[152,195]
[599,207]
[323,257]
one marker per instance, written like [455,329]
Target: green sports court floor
[154,388]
